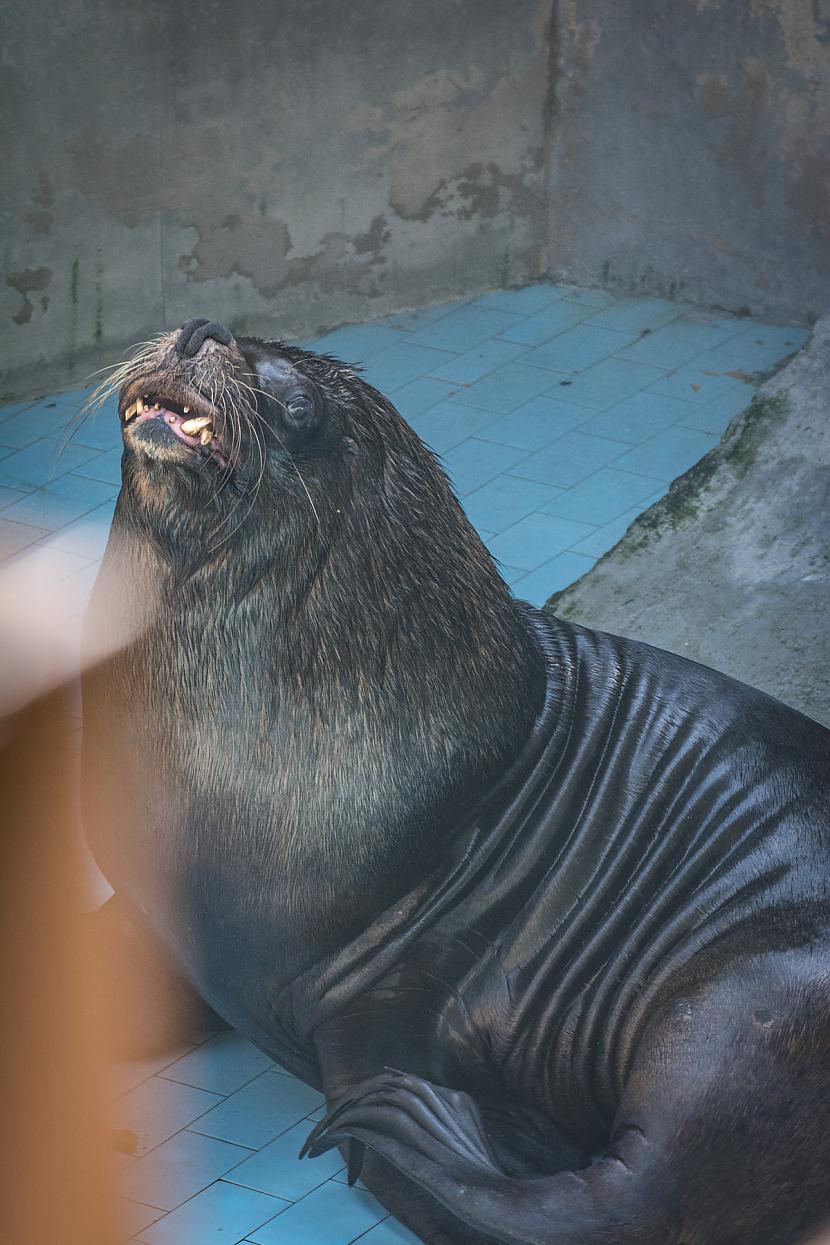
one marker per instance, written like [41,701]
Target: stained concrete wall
[284,166]
[290,166]
[690,151]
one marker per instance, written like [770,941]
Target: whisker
[254,491]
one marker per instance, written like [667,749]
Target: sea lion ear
[349,451]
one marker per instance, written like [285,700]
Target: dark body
[517,895]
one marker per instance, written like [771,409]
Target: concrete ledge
[732,567]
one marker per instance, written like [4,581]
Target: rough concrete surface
[690,151]
[281,167]
[732,567]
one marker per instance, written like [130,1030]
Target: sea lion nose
[194,333]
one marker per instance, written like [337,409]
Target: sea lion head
[221,430]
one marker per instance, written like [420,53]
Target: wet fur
[360,618]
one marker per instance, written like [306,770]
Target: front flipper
[434,1136]
[415,1124]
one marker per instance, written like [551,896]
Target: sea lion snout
[196,331]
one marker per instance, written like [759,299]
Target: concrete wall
[690,150]
[288,166]
[281,166]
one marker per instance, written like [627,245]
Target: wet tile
[578,348]
[679,342]
[605,384]
[395,367]
[668,454]
[260,1111]
[547,323]
[128,1073]
[474,462]
[465,328]
[32,425]
[448,424]
[43,462]
[507,499]
[511,574]
[605,538]
[157,1109]
[634,315]
[536,539]
[179,1168]
[502,391]
[222,1214]
[526,301]
[278,1170]
[696,384]
[357,342]
[330,1215]
[71,398]
[17,536]
[412,321]
[470,366]
[561,571]
[716,416]
[101,429]
[537,423]
[84,489]
[106,467]
[10,495]
[637,418]
[419,395]
[601,497]
[48,508]
[570,459]
[755,349]
[222,1065]
[14,408]
[592,298]
[390,1232]
[87,536]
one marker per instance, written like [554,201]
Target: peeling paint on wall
[27,282]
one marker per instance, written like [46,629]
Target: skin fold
[544,911]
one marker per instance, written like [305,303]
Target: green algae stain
[764,410]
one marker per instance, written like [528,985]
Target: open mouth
[193,429]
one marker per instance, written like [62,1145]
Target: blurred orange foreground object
[53,1161]
[54,1142]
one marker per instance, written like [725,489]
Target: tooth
[185,409]
[130,411]
[192,426]
[157,407]
[206,436]
[139,406]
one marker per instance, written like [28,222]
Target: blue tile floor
[560,414]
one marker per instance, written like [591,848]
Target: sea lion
[546,912]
